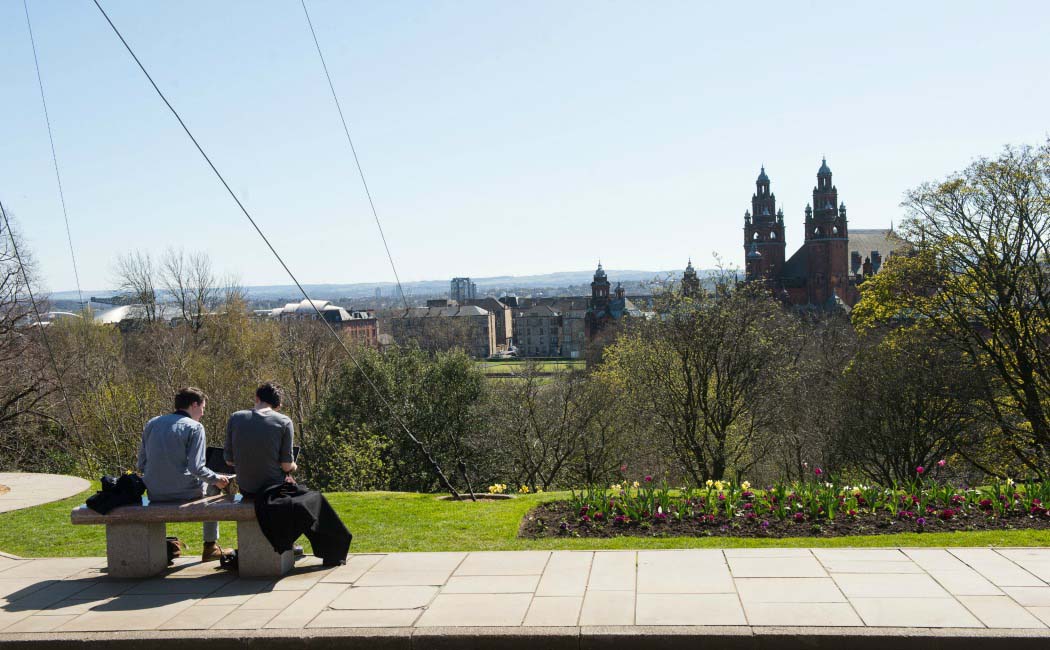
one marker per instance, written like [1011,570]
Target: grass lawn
[398,521]
[518,365]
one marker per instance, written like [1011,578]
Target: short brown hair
[270,393]
[187,397]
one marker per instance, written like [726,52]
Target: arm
[287,462]
[195,462]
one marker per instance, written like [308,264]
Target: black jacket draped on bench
[289,510]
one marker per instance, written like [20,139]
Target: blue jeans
[210,529]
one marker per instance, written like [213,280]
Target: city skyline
[489,134]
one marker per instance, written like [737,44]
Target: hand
[289,479]
[223,482]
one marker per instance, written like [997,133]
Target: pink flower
[818,471]
[920,469]
[942,463]
[623,469]
[648,478]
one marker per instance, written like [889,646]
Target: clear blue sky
[497,137]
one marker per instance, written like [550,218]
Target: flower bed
[818,508]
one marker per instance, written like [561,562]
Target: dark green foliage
[436,397]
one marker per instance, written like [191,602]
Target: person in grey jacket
[171,460]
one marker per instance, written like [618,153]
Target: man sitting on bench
[259,446]
[172,462]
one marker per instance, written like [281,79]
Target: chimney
[876,261]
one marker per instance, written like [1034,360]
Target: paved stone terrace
[28,490]
[974,589]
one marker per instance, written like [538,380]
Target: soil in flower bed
[560,519]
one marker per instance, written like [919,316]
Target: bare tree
[188,278]
[26,381]
[541,423]
[136,275]
[704,374]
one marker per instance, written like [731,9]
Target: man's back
[257,442]
[171,457]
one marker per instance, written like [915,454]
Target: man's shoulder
[281,417]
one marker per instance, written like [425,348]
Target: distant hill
[431,287]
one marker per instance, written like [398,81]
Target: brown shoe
[212,552]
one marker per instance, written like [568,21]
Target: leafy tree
[436,397]
[980,279]
[909,401]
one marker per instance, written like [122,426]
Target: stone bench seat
[217,508]
[135,535]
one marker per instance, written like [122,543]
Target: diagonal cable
[353,150]
[54,156]
[393,412]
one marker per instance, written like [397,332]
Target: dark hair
[189,396]
[271,393]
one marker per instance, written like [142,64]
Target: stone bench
[135,535]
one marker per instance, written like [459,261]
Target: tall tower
[827,241]
[690,281]
[599,290]
[764,234]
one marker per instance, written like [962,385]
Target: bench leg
[255,554]
[136,550]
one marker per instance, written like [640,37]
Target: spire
[762,178]
[824,169]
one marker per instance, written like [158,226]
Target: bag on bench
[123,491]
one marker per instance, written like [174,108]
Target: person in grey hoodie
[171,460]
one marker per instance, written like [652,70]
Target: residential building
[504,319]
[462,289]
[538,331]
[577,319]
[362,326]
[444,327]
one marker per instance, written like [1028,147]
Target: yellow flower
[1009,481]
[719,485]
[524,489]
[710,483]
[746,485]
[636,484]
[539,490]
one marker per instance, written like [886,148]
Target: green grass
[397,521]
[518,365]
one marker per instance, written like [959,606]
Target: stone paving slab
[28,490]
[553,598]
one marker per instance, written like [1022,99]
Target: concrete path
[561,597]
[28,490]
